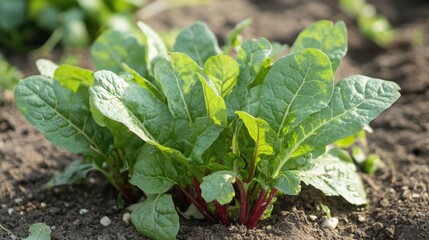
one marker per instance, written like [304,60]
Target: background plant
[371,24]
[204,132]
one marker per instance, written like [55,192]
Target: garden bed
[398,194]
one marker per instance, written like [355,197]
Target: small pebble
[312,218]
[126,217]
[42,205]
[18,200]
[105,221]
[384,203]
[377,226]
[13,237]
[3,206]
[361,218]
[66,204]
[330,223]
[415,195]
[83,211]
[10,211]
[269,227]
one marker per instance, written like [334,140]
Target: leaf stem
[260,207]
[203,210]
[242,218]
[222,213]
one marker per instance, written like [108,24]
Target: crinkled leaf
[296,86]
[156,48]
[46,67]
[39,231]
[153,173]
[330,38]
[260,132]
[113,47]
[156,217]
[181,86]
[135,107]
[201,137]
[336,177]
[288,182]
[144,83]
[76,170]
[198,42]
[63,116]
[251,58]
[223,71]
[355,102]
[218,186]
[72,77]
[215,104]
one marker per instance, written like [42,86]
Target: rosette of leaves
[204,133]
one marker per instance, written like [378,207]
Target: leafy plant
[29,24]
[195,129]
[10,77]
[39,231]
[371,24]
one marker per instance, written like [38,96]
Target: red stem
[260,208]
[222,212]
[203,210]
[200,199]
[242,219]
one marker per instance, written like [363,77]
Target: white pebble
[269,227]
[3,206]
[42,205]
[10,211]
[312,218]
[18,200]
[361,218]
[83,211]
[330,223]
[126,217]
[105,221]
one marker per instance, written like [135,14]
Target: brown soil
[398,193]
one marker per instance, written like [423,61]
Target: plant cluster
[29,24]
[372,25]
[202,133]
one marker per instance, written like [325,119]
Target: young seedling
[198,129]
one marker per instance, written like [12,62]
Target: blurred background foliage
[27,25]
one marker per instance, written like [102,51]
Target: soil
[398,194]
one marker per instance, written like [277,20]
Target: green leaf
[198,42]
[223,71]
[336,177]
[182,87]
[215,104]
[233,39]
[288,182]
[46,67]
[72,77]
[156,217]
[251,57]
[63,116]
[76,170]
[201,137]
[355,102]
[260,132]
[113,47]
[156,48]
[296,86]
[135,107]
[39,231]
[218,186]
[153,173]
[12,14]
[330,38]
[144,83]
